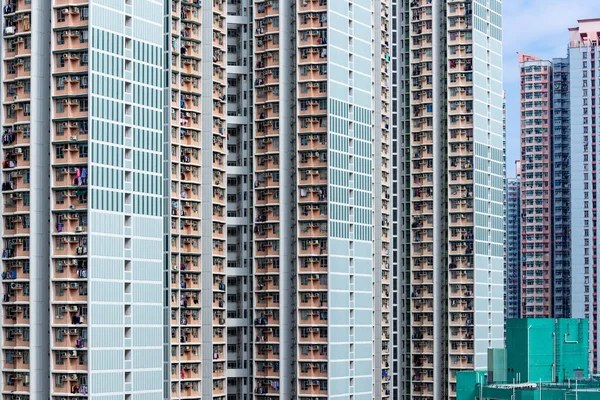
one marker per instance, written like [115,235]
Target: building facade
[561,204]
[219,177]
[401,195]
[450,155]
[25,192]
[513,246]
[583,56]
[314,197]
[77,166]
[536,187]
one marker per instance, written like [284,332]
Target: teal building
[543,359]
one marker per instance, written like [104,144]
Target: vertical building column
[287,225]
[39,359]
[439,223]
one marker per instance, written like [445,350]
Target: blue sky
[536,27]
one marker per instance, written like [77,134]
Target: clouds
[538,27]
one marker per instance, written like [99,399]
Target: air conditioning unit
[73,353]
[79,229]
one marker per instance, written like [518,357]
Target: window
[60,151]
[83,150]
[10,113]
[60,61]
[60,83]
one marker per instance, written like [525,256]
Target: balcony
[16,383]
[312,5]
[16,315]
[266,266]
[313,388]
[313,212]
[313,370]
[308,20]
[265,335]
[14,337]
[71,39]
[312,55]
[267,352]
[266,8]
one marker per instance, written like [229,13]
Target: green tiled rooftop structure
[535,345]
[541,355]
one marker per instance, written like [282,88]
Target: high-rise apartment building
[513,245]
[106,131]
[199,193]
[321,200]
[536,187]
[451,282]
[25,206]
[545,204]
[401,195]
[196,166]
[85,289]
[584,48]
[558,183]
[561,132]
[504,196]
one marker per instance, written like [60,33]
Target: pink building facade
[536,187]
